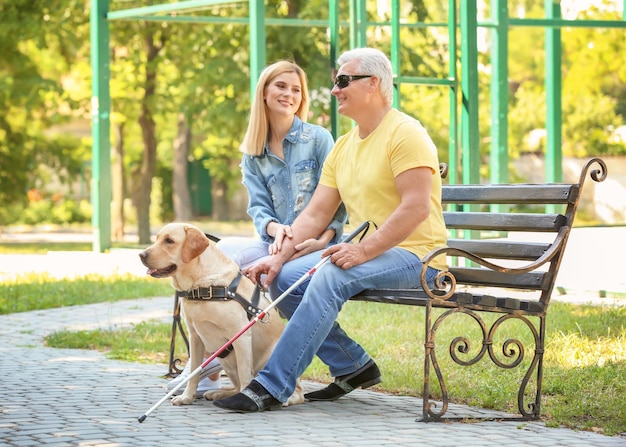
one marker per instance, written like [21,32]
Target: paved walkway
[67,397]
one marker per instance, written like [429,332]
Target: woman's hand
[282,231]
[308,246]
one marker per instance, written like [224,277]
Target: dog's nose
[143,255]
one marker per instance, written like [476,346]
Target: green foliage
[39,42]
[593,92]
[588,121]
[47,211]
[202,71]
[524,119]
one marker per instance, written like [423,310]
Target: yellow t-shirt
[364,171]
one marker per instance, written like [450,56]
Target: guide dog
[216,303]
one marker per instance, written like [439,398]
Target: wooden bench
[490,273]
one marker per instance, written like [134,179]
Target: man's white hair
[372,62]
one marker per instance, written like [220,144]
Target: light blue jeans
[312,310]
[245,251]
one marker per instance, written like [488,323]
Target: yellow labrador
[183,253]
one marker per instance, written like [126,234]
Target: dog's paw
[295,399]
[219,394]
[182,400]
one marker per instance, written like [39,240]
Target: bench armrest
[445,282]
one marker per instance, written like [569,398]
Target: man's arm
[311,223]
[414,187]
[313,220]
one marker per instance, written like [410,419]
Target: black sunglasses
[342,81]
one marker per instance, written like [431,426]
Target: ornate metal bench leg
[428,347]
[176,325]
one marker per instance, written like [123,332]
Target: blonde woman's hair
[258,125]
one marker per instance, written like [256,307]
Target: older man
[384,170]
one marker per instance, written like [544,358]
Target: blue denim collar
[292,136]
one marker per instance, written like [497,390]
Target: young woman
[281,165]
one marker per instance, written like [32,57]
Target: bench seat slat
[504,194]
[493,249]
[412,297]
[416,297]
[504,221]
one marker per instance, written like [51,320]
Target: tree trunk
[180,186]
[143,186]
[117,183]
[220,203]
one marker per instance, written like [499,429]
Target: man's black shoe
[366,376]
[251,399]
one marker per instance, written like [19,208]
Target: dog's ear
[195,243]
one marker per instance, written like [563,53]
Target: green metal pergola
[463,94]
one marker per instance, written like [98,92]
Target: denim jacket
[278,190]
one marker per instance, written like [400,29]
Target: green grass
[43,248]
[584,363]
[36,291]
[39,248]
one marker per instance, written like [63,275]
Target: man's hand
[346,255]
[269,266]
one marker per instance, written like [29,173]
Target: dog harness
[225,293]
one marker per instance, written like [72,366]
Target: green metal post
[100,127]
[353,23]
[499,159]
[453,144]
[396,56]
[358,24]
[553,161]
[257,42]
[469,106]
[361,28]
[469,92]
[175,8]
[333,17]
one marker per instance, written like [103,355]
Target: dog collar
[222,293]
[206,293]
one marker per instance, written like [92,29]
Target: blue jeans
[312,310]
[245,251]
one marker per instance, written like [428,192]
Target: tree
[40,51]
[593,84]
[137,48]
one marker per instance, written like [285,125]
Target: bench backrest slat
[501,249]
[505,194]
[504,221]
